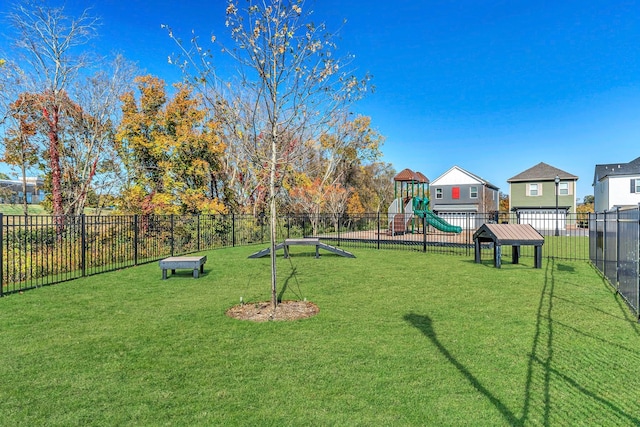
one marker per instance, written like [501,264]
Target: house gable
[535,188]
[616,184]
[460,189]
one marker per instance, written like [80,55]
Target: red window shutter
[455,193]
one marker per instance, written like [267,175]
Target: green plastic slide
[421,208]
[440,224]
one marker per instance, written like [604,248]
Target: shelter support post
[497,255]
[515,254]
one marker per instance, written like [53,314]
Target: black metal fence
[614,249]
[44,250]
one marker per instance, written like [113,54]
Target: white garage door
[463,220]
[543,219]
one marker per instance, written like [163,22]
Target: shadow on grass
[425,325]
[565,268]
[540,357]
[285,286]
[625,309]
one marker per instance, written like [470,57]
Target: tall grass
[402,338]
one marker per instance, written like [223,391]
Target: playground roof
[407,175]
[423,178]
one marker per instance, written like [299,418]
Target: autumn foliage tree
[171,151]
[69,95]
[47,39]
[20,149]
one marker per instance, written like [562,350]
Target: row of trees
[100,132]
[279,134]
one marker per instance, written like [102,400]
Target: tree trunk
[274,219]
[25,206]
[54,158]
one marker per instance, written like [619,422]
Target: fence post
[604,243]
[198,232]
[424,233]
[637,265]
[172,235]
[338,231]
[617,247]
[378,229]
[135,239]
[233,229]
[1,254]
[83,244]
[289,226]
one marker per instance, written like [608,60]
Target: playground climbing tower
[407,185]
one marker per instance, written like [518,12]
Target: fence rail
[44,250]
[614,248]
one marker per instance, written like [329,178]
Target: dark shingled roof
[613,169]
[542,172]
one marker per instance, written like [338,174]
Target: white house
[616,185]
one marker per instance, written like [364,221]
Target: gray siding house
[459,195]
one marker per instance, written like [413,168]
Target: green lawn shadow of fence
[544,324]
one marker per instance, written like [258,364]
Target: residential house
[459,195]
[543,196]
[11,191]
[616,185]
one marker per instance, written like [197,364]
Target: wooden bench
[195,263]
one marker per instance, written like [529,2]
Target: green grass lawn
[402,338]
[18,209]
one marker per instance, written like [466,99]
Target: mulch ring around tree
[263,311]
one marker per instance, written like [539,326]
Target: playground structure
[412,203]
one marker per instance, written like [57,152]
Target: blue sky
[493,86]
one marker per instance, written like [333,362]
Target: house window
[635,185]
[455,193]
[473,192]
[563,188]
[438,193]
[534,190]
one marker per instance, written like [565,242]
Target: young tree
[307,197]
[336,198]
[292,88]
[47,39]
